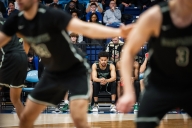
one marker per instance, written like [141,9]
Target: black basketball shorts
[52,87]
[156,101]
[13,69]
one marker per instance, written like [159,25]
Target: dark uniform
[168,77]
[109,87]
[65,67]
[13,63]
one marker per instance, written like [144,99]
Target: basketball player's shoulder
[153,14]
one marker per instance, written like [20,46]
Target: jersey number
[182,56]
[41,50]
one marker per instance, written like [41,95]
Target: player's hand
[125,30]
[126,102]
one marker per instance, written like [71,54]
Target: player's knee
[15,100]
[23,118]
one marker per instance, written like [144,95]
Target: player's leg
[96,88]
[48,91]
[15,94]
[78,110]
[13,74]
[30,114]
[18,80]
[155,103]
[80,94]
[113,87]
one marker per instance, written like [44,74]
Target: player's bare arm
[4,39]
[113,74]
[148,25]
[94,74]
[26,45]
[93,30]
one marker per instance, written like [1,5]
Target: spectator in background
[72,7]
[74,41]
[99,6]
[79,7]
[104,78]
[94,18]
[56,4]
[75,14]
[74,38]
[125,3]
[142,70]
[11,8]
[114,49]
[93,7]
[112,16]
[2,9]
[30,62]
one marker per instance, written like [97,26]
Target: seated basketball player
[104,78]
[168,27]
[45,30]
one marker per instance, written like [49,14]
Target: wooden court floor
[96,121]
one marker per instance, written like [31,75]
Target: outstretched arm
[4,39]
[93,30]
[148,25]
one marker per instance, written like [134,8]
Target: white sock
[66,102]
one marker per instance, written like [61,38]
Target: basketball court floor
[96,120]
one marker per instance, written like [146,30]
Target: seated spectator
[125,3]
[31,65]
[114,49]
[104,78]
[99,6]
[93,11]
[94,18]
[75,14]
[142,70]
[56,4]
[11,8]
[112,16]
[2,9]
[74,40]
[74,5]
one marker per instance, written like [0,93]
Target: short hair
[74,11]
[73,35]
[11,3]
[93,4]
[103,54]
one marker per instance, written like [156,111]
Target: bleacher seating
[92,52]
